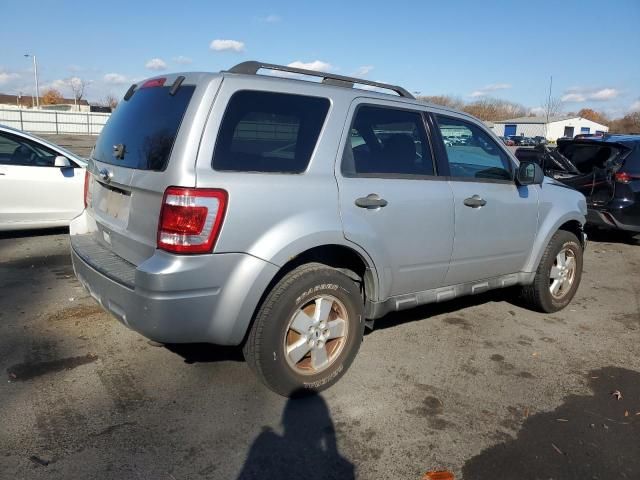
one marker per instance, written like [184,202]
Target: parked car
[516,139]
[539,140]
[284,215]
[588,135]
[41,184]
[606,169]
[507,141]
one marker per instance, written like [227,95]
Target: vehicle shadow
[598,235]
[394,319]
[307,448]
[205,352]
[593,436]
[40,232]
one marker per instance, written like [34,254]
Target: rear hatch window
[589,156]
[632,160]
[141,131]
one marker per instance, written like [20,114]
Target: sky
[467,49]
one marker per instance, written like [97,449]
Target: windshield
[141,131]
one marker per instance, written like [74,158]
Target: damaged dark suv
[605,169]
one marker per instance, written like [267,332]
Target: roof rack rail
[252,67]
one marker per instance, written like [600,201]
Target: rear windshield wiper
[176,85]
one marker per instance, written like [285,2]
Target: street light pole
[35,74]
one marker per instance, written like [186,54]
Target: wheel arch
[348,259]
[570,223]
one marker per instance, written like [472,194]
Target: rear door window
[269,132]
[141,131]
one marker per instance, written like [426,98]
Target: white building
[557,127]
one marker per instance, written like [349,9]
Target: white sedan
[41,184]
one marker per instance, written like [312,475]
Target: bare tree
[110,101]
[494,109]
[445,100]
[77,86]
[552,107]
[630,123]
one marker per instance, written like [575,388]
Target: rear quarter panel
[272,216]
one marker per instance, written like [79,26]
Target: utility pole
[35,74]
[546,125]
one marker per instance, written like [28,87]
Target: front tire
[307,331]
[558,275]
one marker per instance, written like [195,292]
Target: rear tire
[307,331]
[558,275]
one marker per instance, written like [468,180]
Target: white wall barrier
[42,121]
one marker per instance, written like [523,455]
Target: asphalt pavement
[479,386]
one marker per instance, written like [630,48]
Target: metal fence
[42,121]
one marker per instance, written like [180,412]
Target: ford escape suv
[283,214]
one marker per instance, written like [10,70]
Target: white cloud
[481,92]
[115,79]
[538,111]
[272,18]
[156,64]
[6,77]
[182,60]
[227,46]
[573,97]
[59,84]
[582,94]
[635,106]
[363,71]
[604,94]
[317,65]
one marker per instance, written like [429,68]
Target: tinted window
[472,152]
[586,157]
[146,126]
[269,132]
[15,150]
[387,141]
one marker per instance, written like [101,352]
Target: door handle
[371,201]
[475,202]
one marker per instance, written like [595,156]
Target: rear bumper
[625,217]
[176,299]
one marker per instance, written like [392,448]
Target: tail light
[191,219]
[87,192]
[625,177]
[156,82]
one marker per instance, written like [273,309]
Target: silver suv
[283,215]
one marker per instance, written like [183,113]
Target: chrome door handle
[475,202]
[371,201]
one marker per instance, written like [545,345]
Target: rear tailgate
[149,143]
[597,162]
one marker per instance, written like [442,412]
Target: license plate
[114,204]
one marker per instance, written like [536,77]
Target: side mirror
[530,173]
[62,162]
